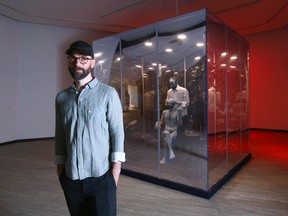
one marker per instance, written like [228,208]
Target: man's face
[173,84]
[79,65]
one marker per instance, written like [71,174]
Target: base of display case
[185,188]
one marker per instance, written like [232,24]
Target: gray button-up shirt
[89,132]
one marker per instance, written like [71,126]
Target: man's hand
[116,169]
[60,168]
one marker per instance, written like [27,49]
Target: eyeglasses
[73,59]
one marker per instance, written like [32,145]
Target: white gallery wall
[33,70]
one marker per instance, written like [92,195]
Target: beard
[79,76]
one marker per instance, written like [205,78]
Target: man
[89,138]
[180,95]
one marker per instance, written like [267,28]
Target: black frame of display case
[185,188]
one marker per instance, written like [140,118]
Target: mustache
[76,68]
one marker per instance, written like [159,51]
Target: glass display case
[194,137]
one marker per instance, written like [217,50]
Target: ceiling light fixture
[97,54]
[181,36]
[148,43]
[199,44]
[224,54]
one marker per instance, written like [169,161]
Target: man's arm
[116,129]
[60,142]
[186,99]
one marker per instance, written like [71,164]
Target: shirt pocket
[95,116]
[97,126]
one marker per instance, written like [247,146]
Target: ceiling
[110,16]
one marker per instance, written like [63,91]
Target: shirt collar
[90,85]
[177,88]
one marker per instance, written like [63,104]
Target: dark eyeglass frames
[73,59]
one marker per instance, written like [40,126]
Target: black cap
[84,47]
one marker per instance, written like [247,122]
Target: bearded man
[89,138]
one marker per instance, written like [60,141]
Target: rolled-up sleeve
[116,128]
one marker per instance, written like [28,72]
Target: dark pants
[91,196]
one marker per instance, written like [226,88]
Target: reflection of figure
[150,99]
[150,103]
[214,99]
[170,120]
[180,95]
[216,115]
[89,138]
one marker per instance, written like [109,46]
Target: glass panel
[181,55]
[105,50]
[233,99]
[244,95]
[237,99]
[227,99]
[140,76]
[217,91]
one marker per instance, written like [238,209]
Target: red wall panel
[269,80]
